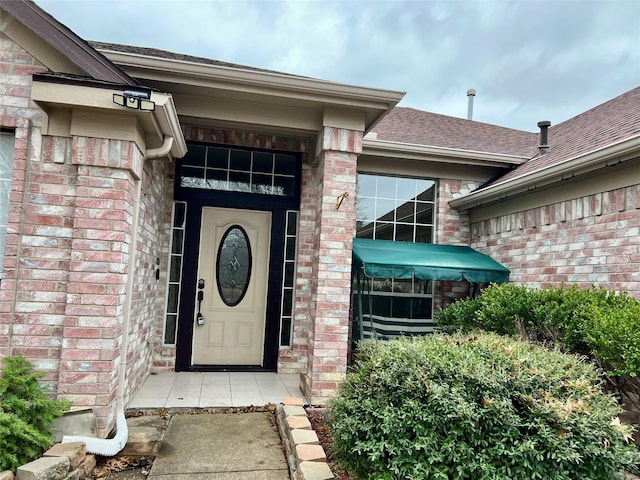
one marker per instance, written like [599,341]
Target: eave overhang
[575,166]
[266,87]
[383,148]
[54,45]
[52,92]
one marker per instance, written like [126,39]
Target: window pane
[170,330]
[405,188]
[218,158]
[179,214]
[284,186]
[233,266]
[172,298]
[287,302]
[176,245]
[384,231]
[240,181]
[174,268]
[365,232]
[426,189]
[285,333]
[386,187]
[261,183]
[262,162]
[424,234]
[366,208]
[405,212]
[366,186]
[385,209]
[292,223]
[192,172]
[404,232]
[240,160]
[424,213]
[195,156]
[289,272]
[290,251]
[285,164]
[401,307]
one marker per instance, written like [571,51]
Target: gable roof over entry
[426,261]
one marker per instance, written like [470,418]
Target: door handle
[199,316]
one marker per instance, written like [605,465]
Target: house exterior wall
[328,240]
[452,228]
[67,292]
[37,253]
[588,240]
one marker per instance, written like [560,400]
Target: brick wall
[37,254]
[149,290]
[588,240]
[331,238]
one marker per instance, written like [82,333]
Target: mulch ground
[322,427]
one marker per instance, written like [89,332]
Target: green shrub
[477,406]
[602,324]
[26,414]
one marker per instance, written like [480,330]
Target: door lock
[199,316]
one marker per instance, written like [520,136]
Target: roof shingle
[408,125]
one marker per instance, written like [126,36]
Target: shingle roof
[155,52]
[613,121]
[408,125]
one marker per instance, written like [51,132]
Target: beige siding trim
[619,176]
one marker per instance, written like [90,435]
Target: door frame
[196,199]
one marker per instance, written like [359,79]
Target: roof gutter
[384,148]
[610,155]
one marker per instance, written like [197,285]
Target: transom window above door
[237,170]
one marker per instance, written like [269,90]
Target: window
[395,208]
[399,209]
[235,170]
[176,251]
[288,280]
[7,144]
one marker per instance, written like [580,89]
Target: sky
[528,60]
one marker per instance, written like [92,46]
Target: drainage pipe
[109,447]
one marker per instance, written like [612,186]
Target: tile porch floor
[214,389]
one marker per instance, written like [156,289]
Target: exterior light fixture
[135,99]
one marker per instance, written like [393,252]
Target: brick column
[330,285]
[108,172]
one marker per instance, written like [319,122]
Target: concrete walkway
[220,447]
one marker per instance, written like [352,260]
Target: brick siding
[591,240]
[327,236]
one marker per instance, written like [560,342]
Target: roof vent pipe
[470,94]
[544,136]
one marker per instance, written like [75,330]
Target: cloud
[528,60]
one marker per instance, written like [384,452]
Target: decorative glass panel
[237,170]
[288,280]
[233,265]
[175,272]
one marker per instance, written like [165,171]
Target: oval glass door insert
[233,265]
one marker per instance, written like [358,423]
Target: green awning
[426,261]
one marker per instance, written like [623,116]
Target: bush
[476,407]
[595,322]
[26,414]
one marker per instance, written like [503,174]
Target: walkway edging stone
[305,455]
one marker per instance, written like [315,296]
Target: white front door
[231,298]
